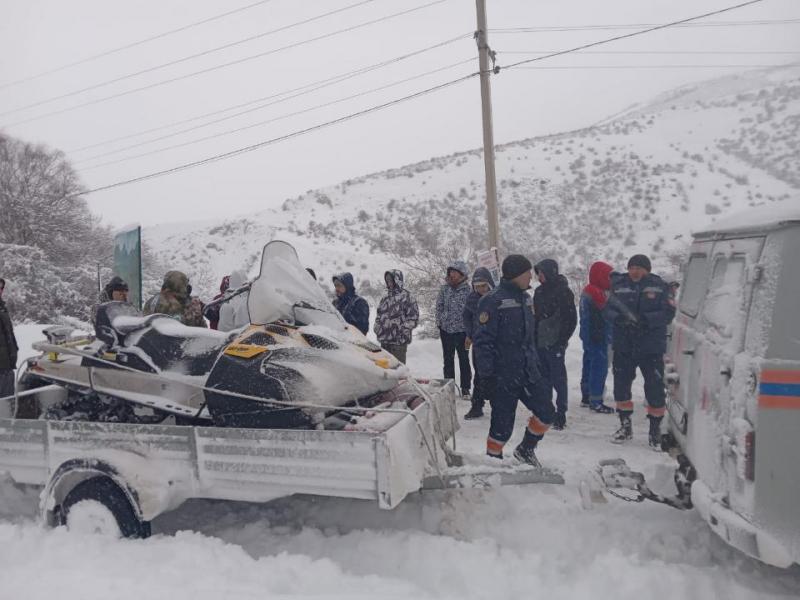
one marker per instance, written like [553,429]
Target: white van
[733,375]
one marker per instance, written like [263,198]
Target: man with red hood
[595,333]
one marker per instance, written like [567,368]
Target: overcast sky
[41,35]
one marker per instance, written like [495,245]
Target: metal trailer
[140,471]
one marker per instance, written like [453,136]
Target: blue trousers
[595,371]
[553,368]
[537,397]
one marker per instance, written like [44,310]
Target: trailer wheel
[98,505]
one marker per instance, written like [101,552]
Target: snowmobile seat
[168,345]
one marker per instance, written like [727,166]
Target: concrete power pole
[485,54]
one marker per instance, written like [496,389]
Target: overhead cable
[558,28]
[294,134]
[134,44]
[221,66]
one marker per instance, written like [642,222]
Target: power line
[557,28]
[185,58]
[692,52]
[632,34]
[221,66]
[245,149]
[272,120]
[570,67]
[281,97]
[134,44]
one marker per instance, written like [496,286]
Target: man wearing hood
[450,321]
[350,305]
[397,316]
[175,300]
[233,313]
[506,359]
[556,319]
[640,308]
[595,333]
[482,284]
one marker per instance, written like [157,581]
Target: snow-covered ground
[515,542]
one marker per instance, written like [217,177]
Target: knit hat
[515,265]
[640,260]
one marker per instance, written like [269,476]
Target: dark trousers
[537,397]
[453,343]
[396,350]
[595,371]
[479,392]
[554,369]
[6,383]
[652,368]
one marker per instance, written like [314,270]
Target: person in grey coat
[397,316]
[450,322]
[8,348]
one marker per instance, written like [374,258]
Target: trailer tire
[113,504]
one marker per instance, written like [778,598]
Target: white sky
[38,35]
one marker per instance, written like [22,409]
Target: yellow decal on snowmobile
[383,363]
[245,350]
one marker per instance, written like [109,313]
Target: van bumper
[738,531]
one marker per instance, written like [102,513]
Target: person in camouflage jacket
[176,301]
[397,316]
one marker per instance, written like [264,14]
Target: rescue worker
[175,300]
[556,318]
[397,316]
[595,334]
[482,284]
[8,348]
[350,305]
[640,309]
[505,356]
[450,321]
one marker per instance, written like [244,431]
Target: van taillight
[750,455]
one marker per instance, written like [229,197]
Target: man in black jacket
[556,319]
[8,348]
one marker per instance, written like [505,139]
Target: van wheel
[98,505]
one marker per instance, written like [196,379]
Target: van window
[694,284]
[722,309]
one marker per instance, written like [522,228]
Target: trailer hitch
[619,480]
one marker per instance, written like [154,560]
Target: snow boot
[526,450]
[465,396]
[585,401]
[476,412]
[654,436]
[560,421]
[598,407]
[625,431]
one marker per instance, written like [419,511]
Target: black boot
[560,421]
[654,436]
[525,451]
[625,431]
[476,412]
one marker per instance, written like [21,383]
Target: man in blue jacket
[482,284]
[352,307]
[450,320]
[640,308]
[505,356]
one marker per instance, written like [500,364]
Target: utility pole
[485,54]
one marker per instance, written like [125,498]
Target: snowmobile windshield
[285,291]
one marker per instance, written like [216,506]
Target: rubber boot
[625,431]
[526,450]
[654,436]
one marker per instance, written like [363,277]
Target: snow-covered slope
[640,181]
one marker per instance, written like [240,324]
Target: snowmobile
[297,365]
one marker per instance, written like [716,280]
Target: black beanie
[640,260]
[515,265]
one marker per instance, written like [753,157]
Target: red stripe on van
[780,376]
[781,402]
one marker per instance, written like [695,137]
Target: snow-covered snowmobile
[298,365]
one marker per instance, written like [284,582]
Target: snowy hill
[639,181]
